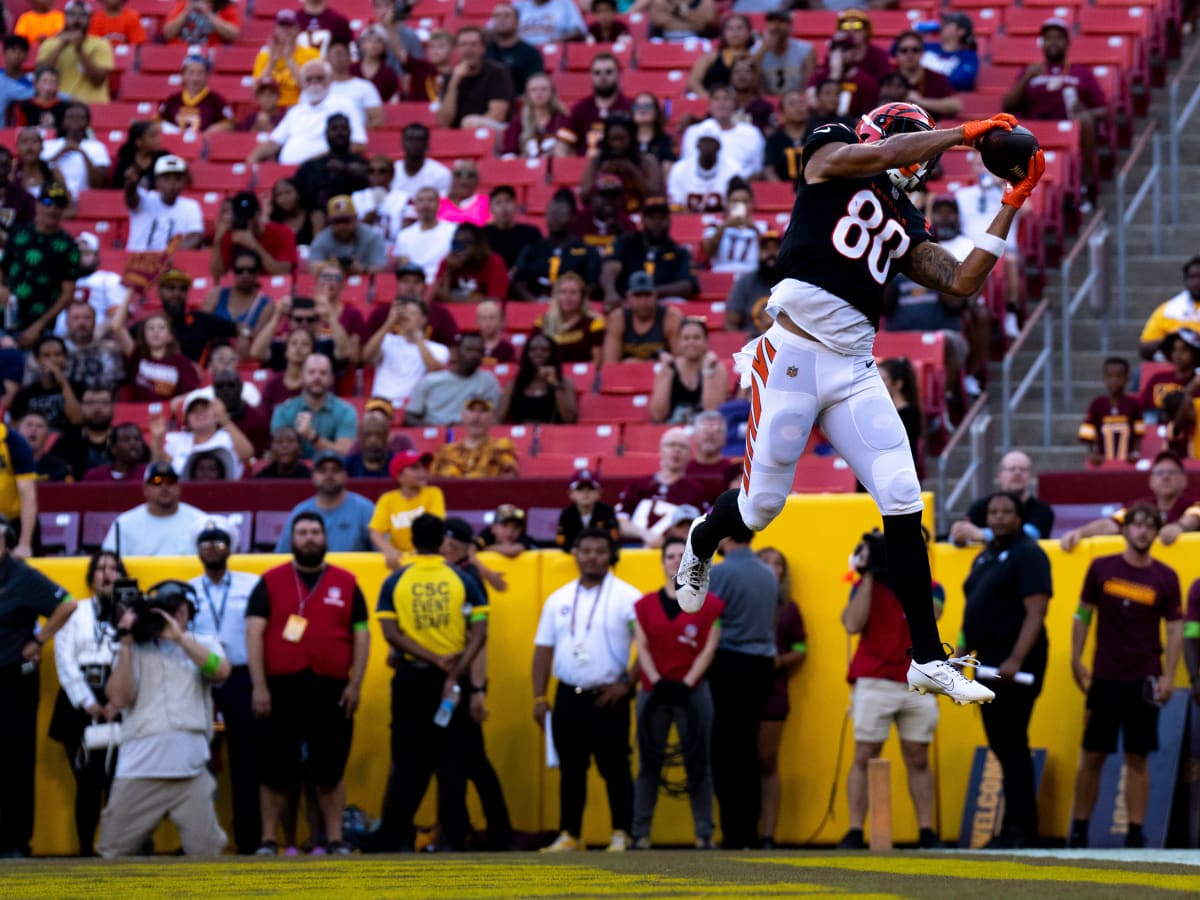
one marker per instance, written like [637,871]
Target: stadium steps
[1151,280]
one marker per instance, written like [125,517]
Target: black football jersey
[846,233]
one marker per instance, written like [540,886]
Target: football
[1006,154]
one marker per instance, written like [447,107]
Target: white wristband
[991,244]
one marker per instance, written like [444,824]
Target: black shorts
[1125,707]
[307,735]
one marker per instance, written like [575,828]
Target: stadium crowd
[475,242]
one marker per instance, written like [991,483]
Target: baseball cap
[197,396]
[961,19]
[1170,455]
[641,283]
[459,529]
[381,405]
[472,402]
[853,20]
[328,456]
[175,276]
[410,269]
[170,164]
[286,17]
[584,478]
[340,207]
[779,15]
[160,469]
[769,235]
[685,513]
[656,204]
[1189,336]
[406,459]
[508,512]
[943,200]
[88,241]
[607,182]
[215,528]
[54,193]
[1056,22]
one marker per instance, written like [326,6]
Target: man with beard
[307,641]
[373,455]
[301,134]
[129,454]
[440,397]
[162,526]
[347,515]
[585,124]
[337,171]
[541,262]
[193,330]
[92,362]
[252,421]
[1056,89]
[521,58]
[480,91]
[221,598]
[86,445]
[745,310]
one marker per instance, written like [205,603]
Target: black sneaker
[267,848]
[338,848]
[852,841]
[929,841]
[1077,840]
[1135,840]
[1014,839]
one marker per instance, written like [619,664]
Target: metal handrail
[976,420]
[1071,301]
[1127,210]
[1178,119]
[1009,396]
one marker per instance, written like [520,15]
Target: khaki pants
[137,805]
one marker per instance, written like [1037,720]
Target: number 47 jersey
[847,234]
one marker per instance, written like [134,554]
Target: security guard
[25,594]
[436,619]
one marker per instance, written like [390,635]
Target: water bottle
[446,708]
[12,313]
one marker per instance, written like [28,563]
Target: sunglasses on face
[304,320]
[245,270]
[465,173]
[380,171]
[160,480]
[909,49]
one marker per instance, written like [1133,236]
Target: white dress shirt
[590,630]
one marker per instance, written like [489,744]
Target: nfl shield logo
[792,371]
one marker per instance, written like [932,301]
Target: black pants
[233,702]
[487,784]
[740,686]
[92,782]
[1006,722]
[583,730]
[18,757]
[419,749]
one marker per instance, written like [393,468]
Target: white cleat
[691,582]
[941,677]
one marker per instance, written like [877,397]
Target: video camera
[165,595]
[873,547]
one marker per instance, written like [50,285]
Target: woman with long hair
[372,62]
[85,649]
[30,170]
[901,381]
[471,271]
[652,137]
[142,148]
[159,370]
[618,154]
[790,650]
[532,133]
[691,381]
[577,332]
[716,66]
[287,383]
[539,394]
[286,209]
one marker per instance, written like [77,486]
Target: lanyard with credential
[302,593]
[218,614]
[595,603]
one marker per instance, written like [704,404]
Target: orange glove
[973,131]
[1015,195]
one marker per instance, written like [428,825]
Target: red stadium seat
[567,170]
[1023,21]
[231,146]
[657,56]
[396,116]
[522,437]
[426,439]
[161,58]
[613,409]
[578,57]
[642,437]
[578,440]
[223,177]
[663,84]
[814,24]
[629,466]
[111,116]
[561,465]
[887,23]
[633,377]
[451,143]
[583,375]
[517,173]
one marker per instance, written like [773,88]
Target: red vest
[675,643]
[883,645]
[327,646]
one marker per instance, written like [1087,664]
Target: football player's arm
[844,160]
[935,267]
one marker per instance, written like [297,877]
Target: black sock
[1135,829]
[725,520]
[1080,827]
[910,579]
[927,834]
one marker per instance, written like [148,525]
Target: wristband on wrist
[990,244]
[539,699]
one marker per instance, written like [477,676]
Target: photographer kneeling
[161,681]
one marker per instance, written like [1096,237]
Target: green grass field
[681,874]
